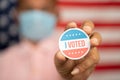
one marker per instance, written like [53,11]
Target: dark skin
[80,69]
[68,69]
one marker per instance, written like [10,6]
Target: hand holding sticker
[78,53]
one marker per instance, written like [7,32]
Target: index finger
[71,25]
[88,26]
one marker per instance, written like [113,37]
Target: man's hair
[52,2]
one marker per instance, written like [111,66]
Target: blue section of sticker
[73,34]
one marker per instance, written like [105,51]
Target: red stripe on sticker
[75,53]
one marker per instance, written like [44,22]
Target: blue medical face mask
[36,25]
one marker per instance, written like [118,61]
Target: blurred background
[106,16]
[104,13]
[8,29]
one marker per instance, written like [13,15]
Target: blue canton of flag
[8,28]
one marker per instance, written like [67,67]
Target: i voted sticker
[74,43]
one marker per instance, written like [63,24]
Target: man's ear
[57,13]
[15,12]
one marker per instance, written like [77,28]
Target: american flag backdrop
[104,13]
[8,28]
[106,16]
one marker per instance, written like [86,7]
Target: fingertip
[75,71]
[87,29]
[88,26]
[71,25]
[94,42]
[88,22]
[96,39]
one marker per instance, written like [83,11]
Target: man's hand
[80,69]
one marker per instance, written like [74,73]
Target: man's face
[43,5]
[30,16]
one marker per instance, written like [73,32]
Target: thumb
[59,59]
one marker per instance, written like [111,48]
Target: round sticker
[74,43]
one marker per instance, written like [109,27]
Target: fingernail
[72,25]
[94,41]
[75,71]
[87,29]
[60,56]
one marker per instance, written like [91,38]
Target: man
[37,57]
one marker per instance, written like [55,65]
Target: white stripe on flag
[109,56]
[103,14]
[106,75]
[109,35]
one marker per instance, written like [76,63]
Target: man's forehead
[32,2]
[36,2]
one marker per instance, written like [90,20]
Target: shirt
[25,62]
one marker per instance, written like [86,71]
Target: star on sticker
[75,52]
[72,34]
[81,51]
[66,35]
[76,34]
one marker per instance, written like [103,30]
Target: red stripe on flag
[92,4]
[108,67]
[110,46]
[97,24]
